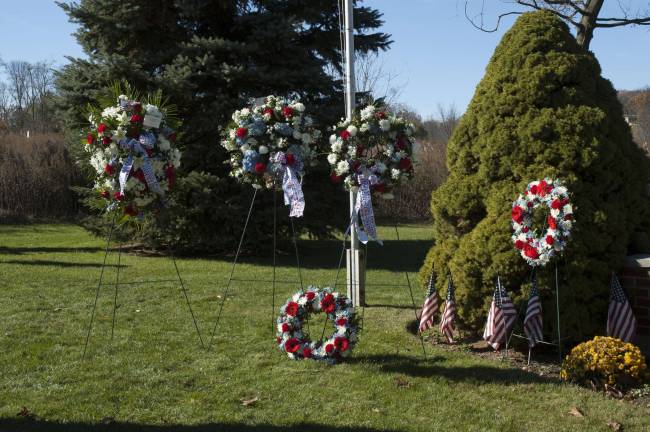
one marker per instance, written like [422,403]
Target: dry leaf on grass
[616,427]
[24,412]
[402,382]
[249,402]
[576,412]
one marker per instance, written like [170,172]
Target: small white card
[152,119]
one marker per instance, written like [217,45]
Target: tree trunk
[588,23]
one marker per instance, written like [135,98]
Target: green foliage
[542,109]
[209,57]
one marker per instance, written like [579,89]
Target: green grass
[154,376]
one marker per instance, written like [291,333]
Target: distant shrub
[36,175]
[604,360]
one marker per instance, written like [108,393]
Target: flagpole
[355,263]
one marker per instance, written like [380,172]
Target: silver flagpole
[355,261]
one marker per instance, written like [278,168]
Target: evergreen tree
[542,109]
[210,57]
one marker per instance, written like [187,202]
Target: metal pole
[355,262]
[557,308]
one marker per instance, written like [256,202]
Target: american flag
[449,316]
[501,317]
[430,306]
[533,321]
[621,323]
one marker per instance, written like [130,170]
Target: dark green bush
[542,109]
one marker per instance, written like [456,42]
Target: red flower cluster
[328,304]
[291,309]
[241,132]
[517,214]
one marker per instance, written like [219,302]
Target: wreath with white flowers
[131,148]
[267,136]
[538,250]
[340,313]
[374,143]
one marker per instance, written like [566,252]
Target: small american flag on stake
[430,306]
[533,321]
[621,323]
[501,317]
[449,316]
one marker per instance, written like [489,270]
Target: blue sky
[438,56]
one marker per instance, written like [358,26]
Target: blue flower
[283,129]
[250,159]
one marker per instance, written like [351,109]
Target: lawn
[153,375]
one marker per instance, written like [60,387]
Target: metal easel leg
[117,283]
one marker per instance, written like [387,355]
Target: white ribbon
[363,210]
[291,183]
[138,147]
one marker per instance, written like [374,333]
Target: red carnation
[101,128]
[531,252]
[260,168]
[379,187]
[550,240]
[345,135]
[310,295]
[517,214]
[405,164]
[529,204]
[90,139]
[543,188]
[533,189]
[341,343]
[329,348]
[565,201]
[241,132]
[568,217]
[108,169]
[268,111]
[335,178]
[105,194]
[556,204]
[327,304]
[291,309]
[292,345]
[380,114]
[341,321]
[285,327]
[106,140]
[287,111]
[552,223]
[136,118]
[519,244]
[525,229]
[291,159]
[131,210]
[118,196]
[306,352]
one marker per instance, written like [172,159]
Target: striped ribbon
[363,210]
[291,183]
[138,147]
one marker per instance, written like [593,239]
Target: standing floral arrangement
[131,146]
[536,249]
[372,153]
[270,143]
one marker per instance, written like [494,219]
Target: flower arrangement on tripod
[375,146]
[270,143]
[131,145]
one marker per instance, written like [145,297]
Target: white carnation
[342,167]
[263,149]
[352,129]
[395,173]
[332,158]
[299,107]
[337,146]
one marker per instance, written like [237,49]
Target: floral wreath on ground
[267,137]
[131,144]
[538,251]
[295,311]
[375,144]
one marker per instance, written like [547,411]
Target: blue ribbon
[363,209]
[291,183]
[138,147]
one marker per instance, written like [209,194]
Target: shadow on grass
[32,425]
[432,366]
[29,250]
[59,263]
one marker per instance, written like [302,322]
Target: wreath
[538,250]
[374,144]
[131,147]
[267,137]
[340,313]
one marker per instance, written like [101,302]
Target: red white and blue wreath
[340,313]
[131,146]
[269,143]
[371,154]
[536,249]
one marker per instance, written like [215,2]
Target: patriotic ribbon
[145,141]
[291,182]
[363,209]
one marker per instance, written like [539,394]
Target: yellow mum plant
[604,360]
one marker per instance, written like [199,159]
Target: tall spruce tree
[542,109]
[210,57]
